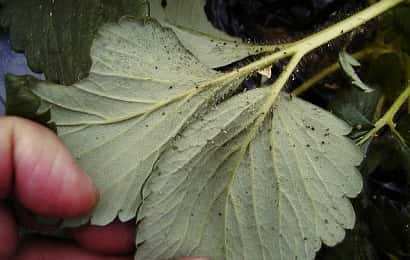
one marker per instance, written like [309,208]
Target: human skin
[37,170]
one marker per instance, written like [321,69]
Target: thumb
[46,178]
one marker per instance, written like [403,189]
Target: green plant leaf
[225,175]
[22,102]
[141,91]
[348,62]
[355,107]
[210,45]
[276,198]
[56,35]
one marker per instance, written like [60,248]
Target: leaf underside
[140,93]
[163,134]
[276,198]
[190,23]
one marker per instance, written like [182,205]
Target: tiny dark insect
[164,3]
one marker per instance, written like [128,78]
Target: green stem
[379,108]
[408,105]
[283,78]
[388,118]
[276,89]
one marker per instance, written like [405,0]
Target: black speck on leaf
[164,3]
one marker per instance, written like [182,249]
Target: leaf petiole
[388,117]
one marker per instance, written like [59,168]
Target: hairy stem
[316,40]
[312,42]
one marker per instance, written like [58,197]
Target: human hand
[39,172]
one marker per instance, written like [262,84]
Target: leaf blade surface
[140,93]
[211,46]
[210,171]
[277,198]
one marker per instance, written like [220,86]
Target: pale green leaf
[210,45]
[141,91]
[277,197]
[348,62]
